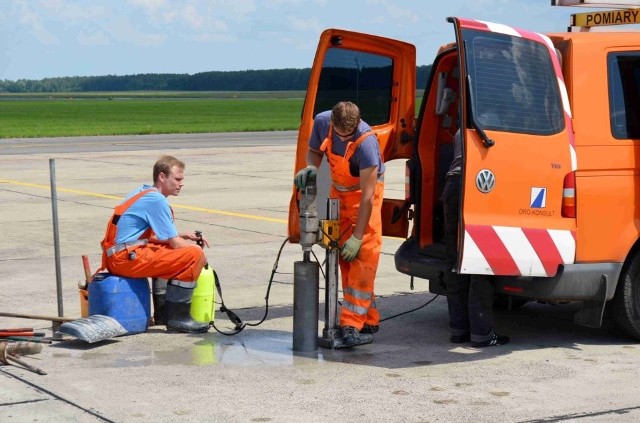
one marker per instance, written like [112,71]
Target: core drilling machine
[326,233]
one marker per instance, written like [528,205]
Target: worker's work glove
[351,248]
[303,175]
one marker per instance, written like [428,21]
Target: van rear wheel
[626,302]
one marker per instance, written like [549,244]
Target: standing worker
[469,297]
[357,171]
[142,241]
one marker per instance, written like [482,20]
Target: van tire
[625,308]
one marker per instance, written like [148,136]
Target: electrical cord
[412,310]
[239,324]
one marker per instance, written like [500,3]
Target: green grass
[54,115]
[149,112]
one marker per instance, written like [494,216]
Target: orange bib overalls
[142,259]
[358,304]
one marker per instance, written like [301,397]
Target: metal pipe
[306,277]
[37,317]
[331,273]
[56,237]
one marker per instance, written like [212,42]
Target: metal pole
[331,336]
[331,271]
[56,238]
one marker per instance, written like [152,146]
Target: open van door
[518,215]
[377,74]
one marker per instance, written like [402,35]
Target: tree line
[248,80]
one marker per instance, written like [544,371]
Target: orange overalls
[141,259]
[358,303]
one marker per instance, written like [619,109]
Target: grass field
[54,115]
[148,112]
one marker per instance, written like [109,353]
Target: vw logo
[485,180]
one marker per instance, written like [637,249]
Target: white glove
[351,248]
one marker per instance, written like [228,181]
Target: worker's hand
[302,176]
[196,237]
[351,248]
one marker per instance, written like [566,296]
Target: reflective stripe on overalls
[358,304]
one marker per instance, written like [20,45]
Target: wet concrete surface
[238,194]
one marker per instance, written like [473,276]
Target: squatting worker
[357,170]
[142,241]
[469,297]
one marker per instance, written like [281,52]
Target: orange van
[551,129]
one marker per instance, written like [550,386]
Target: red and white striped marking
[511,251]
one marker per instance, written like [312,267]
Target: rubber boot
[178,310]
[159,290]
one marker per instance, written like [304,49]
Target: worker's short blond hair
[164,165]
[345,116]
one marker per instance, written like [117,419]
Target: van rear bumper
[573,282]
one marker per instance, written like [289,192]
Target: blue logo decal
[538,198]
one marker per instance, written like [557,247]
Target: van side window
[515,87]
[624,94]
[363,78]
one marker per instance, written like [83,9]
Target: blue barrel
[125,299]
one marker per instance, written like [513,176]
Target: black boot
[159,289]
[178,310]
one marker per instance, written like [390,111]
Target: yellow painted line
[73,191]
[226,213]
[177,206]
[66,144]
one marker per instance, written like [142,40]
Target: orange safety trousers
[150,260]
[358,276]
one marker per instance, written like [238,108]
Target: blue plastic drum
[125,299]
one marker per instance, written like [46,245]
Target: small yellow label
[609,17]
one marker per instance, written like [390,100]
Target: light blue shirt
[152,210]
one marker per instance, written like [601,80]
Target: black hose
[412,310]
[239,324]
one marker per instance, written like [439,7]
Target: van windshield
[514,85]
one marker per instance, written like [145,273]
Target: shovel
[89,329]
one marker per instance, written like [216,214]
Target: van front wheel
[626,301]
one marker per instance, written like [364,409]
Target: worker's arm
[174,242]
[191,236]
[368,181]
[314,157]
[180,241]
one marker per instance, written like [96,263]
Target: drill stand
[306,277]
[331,333]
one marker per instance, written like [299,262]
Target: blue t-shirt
[365,156]
[150,210]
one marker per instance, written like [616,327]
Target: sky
[57,38]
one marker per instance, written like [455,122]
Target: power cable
[239,324]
